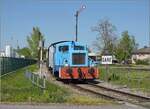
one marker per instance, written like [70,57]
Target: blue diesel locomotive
[69,60]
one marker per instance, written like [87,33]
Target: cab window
[63,48]
[78,47]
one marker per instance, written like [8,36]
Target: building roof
[145,50]
[93,54]
[106,52]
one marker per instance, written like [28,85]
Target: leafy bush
[142,62]
[114,77]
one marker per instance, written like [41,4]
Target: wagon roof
[58,43]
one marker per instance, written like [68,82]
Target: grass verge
[15,87]
[138,80]
[88,100]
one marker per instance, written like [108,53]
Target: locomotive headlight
[92,65]
[66,63]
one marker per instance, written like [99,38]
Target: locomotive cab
[69,60]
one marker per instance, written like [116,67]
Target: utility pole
[149,23]
[41,46]
[17,47]
[76,15]
[149,30]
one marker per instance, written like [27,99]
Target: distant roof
[145,50]
[106,52]
[2,51]
[93,54]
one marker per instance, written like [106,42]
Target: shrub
[114,77]
[142,62]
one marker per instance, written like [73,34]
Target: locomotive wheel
[69,71]
[91,71]
[80,73]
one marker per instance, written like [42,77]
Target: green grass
[123,65]
[15,87]
[138,80]
[88,100]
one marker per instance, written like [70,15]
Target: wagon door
[51,58]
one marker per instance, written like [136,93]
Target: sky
[56,19]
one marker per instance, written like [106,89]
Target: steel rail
[130,68]
[139,97]
[109,93]
[93,92]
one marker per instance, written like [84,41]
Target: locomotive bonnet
[69,60]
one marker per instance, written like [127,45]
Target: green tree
[125,47]
[33,42]
[25,52]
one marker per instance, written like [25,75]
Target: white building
[8,51]
[94,56]
[2,53]
[13,54]
[141,54]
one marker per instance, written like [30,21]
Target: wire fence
[9,64]
[36,79]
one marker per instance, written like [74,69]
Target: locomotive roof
[64,42]
[57,43]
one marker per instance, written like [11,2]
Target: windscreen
[78,58]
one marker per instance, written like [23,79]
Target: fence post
[32,78]
[37,80]
[107,72]
[44,82]
[2,65]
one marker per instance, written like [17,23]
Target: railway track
[131,68]
[113,94]
[123,93]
